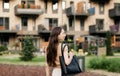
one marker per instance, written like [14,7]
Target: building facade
[37,18]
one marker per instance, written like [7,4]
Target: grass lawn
[14,59]
[40,60]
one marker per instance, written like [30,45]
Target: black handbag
[72,68]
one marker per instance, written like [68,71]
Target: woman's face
[62,35]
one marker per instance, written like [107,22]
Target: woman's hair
[52,46]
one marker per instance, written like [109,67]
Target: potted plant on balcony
[38,7]
[32,6]
[19,6]
[28,5]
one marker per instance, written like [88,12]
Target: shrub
[3,48]
[106,64]
[114,66]
[28,49]
[94,63]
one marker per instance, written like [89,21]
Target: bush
[112,65]
[3,48]
[28,49]
[94,63]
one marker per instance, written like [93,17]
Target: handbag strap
[63,47]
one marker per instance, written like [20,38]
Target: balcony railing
[6,30]
[24,32]
[95,28]
[79,13]
[115,12]
[28,9]
[92,29]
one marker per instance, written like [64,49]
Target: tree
[108,44]
[28,49]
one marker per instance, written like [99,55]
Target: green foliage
[108,44]
[28,49]
[3,48]
[112,65]
[91,48]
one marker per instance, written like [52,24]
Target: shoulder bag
[72,68]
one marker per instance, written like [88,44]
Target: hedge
[110,64]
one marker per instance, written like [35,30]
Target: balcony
[24,32]
[79,13]
[94,30]
[115,12]
[43,32]
[5,31]
[28,10]
[100,1]
[42,29]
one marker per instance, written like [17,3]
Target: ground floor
[14,40]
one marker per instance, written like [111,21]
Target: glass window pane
[55,7]
[63,5]
[24,21]
[6,4]
[1,21]
[7,23]
[31,1]
[101,8]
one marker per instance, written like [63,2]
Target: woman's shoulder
[65,46]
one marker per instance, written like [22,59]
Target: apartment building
[37,18]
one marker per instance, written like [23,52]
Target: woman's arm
[67,56]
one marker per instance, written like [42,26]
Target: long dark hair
[52,46]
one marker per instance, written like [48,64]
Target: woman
[54,51]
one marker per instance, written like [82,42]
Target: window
[70,22]
[4,22]
[54,7]
[31,1]
[24,23]
[101,8]
[82,25]
[63,6]
[100,24]
[6,5]
[27,3]
[51,23]
[71,3]
[1,21]
[45,6]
